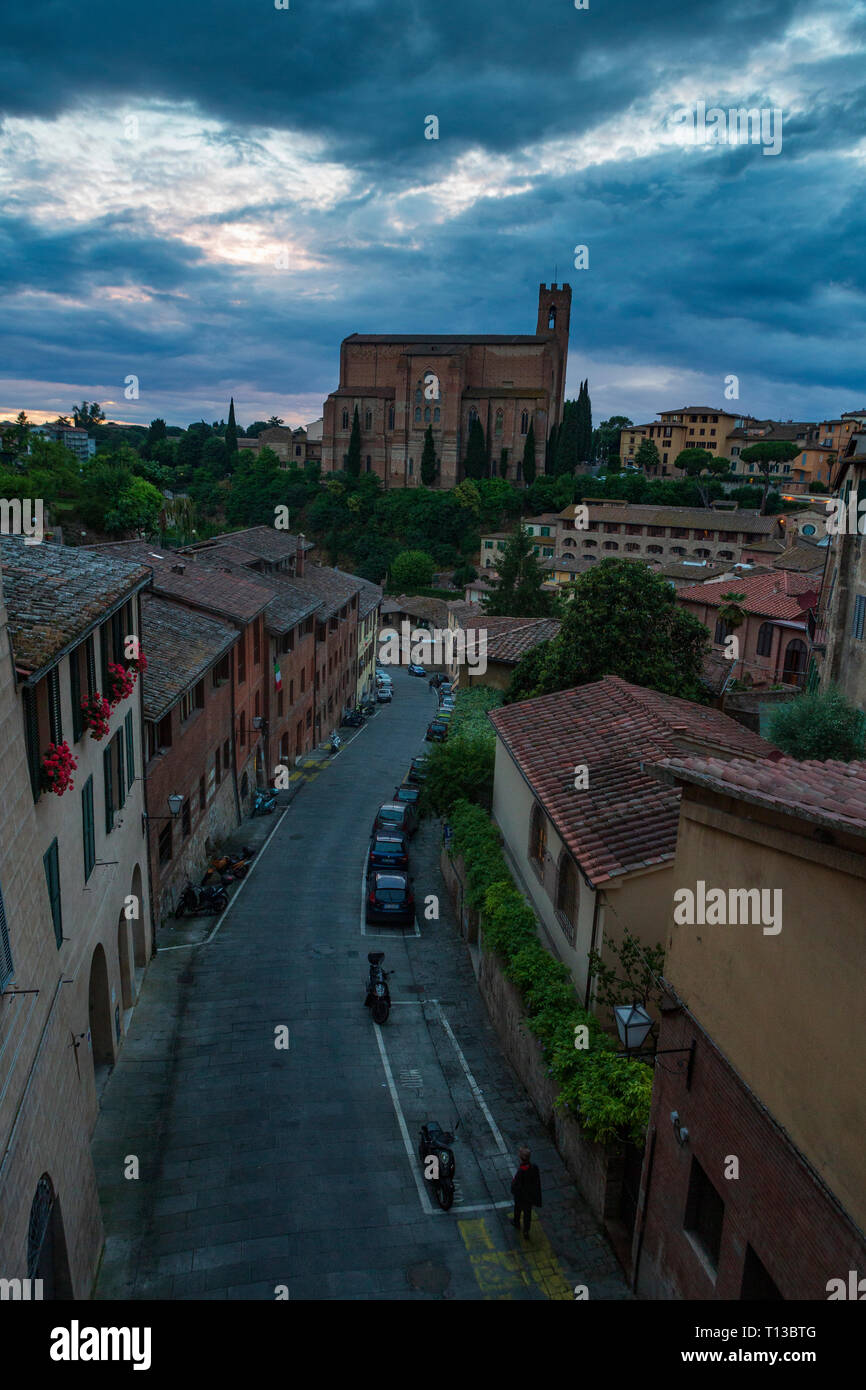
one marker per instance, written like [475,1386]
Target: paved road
[262,1167]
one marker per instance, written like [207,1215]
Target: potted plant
[120,683]
[57,768]
[97,712]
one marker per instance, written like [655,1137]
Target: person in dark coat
[526,1191]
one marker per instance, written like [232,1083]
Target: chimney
[299,558]
[179,567]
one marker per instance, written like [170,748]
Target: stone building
[401,383]
[839,648]
[75,935]
[631,530]
[773,639]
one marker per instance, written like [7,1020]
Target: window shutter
[52,877]
[91,666]
[55,723]
[121,787]
[103,644]
[75,687]
[130,749]
[88,829]
[5,948]
[31,735]
[109,790]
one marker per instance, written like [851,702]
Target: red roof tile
[831,793]
[626,819]
[776,594]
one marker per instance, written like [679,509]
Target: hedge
[609,1094]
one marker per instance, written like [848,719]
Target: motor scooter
[378,999]
[264,803]
[205,899]
[437,1161]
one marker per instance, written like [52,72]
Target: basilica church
[400,384]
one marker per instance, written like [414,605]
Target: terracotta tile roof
[330,587]
[265,541]
[433,610]
[699,518]
[509,639]
[287,605]
[626,820]
[777,594]
[55,594]
[678,569]
[829,793]
[181,646]
[803,557]
[573,564]
[369,597]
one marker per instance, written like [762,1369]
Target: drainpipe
[646,1196]
[594,937]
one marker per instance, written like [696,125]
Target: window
[52,878]
[119,769]
[217,767]
[757,1286]
[227,754]
[87,828]
[5,948]
[436,414]
[75,689]
[242,659]
[859,614]
[417,415]
[566,897]
[655,530]
[368,419]
[202,794]
[721,631]
[55,726]
[632,545]
[390,417]
[524,422]
[108,779]
[345,419]
[221,672]
[611,545]
[257,642]
[185,820]
[279,704]
[369,463]
[165,843]
[499,421]
[538,838]
[130,749]
[655,550]
[765,639]
[705,1212]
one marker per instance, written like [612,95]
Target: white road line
[410,1151]
[185,946]
[473,1084]
[484,1206]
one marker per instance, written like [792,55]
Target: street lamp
[175,805]
[633,1024]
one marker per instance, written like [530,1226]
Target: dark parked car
[390,897]
[388,852]
[415,670]
[417,770]
[437,731]
[438,678]
[407,793]
[395,818]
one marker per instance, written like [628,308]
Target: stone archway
[47,1256]
[99,1018]
[139,930]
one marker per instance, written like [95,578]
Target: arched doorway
[794,672]
[99,1015]
[47,1258]
[139,936]
[126,994]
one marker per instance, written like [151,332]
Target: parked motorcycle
[197,900]
[336,743]
[368,707]
[265,802]
[228,867]
[353,719]
[378,999]
[437,1161]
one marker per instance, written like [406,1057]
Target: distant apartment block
[660,534]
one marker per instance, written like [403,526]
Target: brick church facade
[400,384]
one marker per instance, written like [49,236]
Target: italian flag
[278,676]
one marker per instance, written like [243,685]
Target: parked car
[444,716]
[395,818]
[417,770]
[388,851]
[384,694]
[415,670]
[390,897]
[447,702]
[437,731]
[407,793]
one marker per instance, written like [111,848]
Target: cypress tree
[550,449]
[428,459]
[566,443]
[353,458]
[475,464]
[529,456]
[231,430]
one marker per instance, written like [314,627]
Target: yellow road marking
[505,1274]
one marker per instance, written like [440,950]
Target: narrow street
[261,1167]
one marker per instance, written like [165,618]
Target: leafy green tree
[412,569]
[136,509]
[191,445]
[353,458]
[87,414]
[529,456]
[164,452]
[275,421]
[428,458]
[605,439]
[766,453]
[636,976]
[610,604]
[517,591]
[614,463]
[475,464]
[820,726]
[468,494]
[214,456]
[698,463]
[647,456]
[231,431]
[255,429]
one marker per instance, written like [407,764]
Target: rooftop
[626,820]
[772,594]
[181,646]
[701,518]
[56,594]
[832,794]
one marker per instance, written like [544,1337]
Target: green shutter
[50,860]
[5,948]
[31,735]
[121,786]
[55,723]
[88,828]
[130,748]
[103,645]
[75,686]
[92,686]
[109,789]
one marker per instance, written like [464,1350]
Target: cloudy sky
[210,196]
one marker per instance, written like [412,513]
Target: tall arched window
[426,414]
[611,545]
[721,631]
[345,419]
[524,422]
[551,316]
[417,415]
[473,416]
[765,640]
[567,892]
[418,394]
[794,672]
[538,837]
[436,414]
[368,419]
[499,420]
[390,417]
